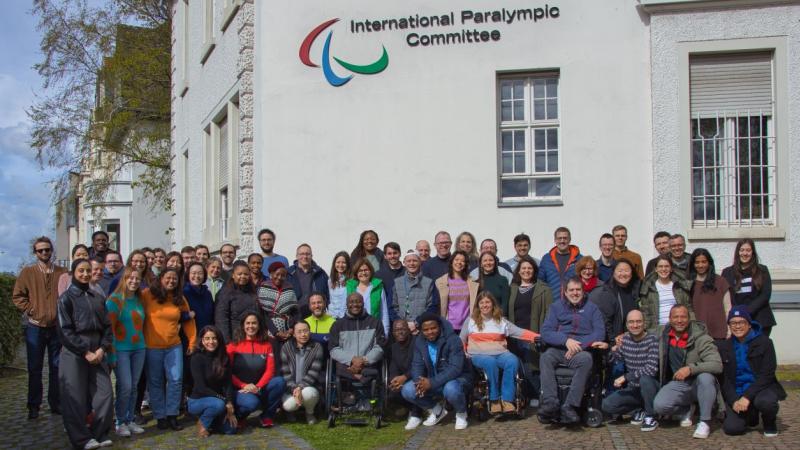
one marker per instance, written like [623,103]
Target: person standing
[215,280]
[202,253]
[391,268]
[661,244]
[340,270]
[522,247]
[620,235]
[237,298]
[606,261]
[85,332]
[99,245]
[413,293]
[438,265]
[457,292]
[490,280]
[659,293]
[677,251]
[307,277]
[79,251]
[35,295]
[367,248]
[266,240]
[559,263]
[371,289]
[710,295]
[227,253]
[465,241]
[751,284]
[423,248]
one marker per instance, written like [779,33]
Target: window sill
[723,234]
[229,13]
[532,202]
[205,52]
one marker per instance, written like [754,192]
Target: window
[732,140]
[209,25]
[223,176]
[112,228]
[529,125]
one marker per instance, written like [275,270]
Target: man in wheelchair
[572,326]
[356,347]
[439,369]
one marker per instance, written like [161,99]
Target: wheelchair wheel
[378,422]
[331,420]
[483,413]
[593,418]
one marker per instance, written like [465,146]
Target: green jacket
[648,299]
[702,355]
[374,295]
[540,305]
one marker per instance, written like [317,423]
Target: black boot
[33,413]
[162,424]
[173,423]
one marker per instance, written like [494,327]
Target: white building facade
[321,119]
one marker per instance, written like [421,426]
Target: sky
[25,206]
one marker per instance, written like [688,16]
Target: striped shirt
[491,340]
[640,358]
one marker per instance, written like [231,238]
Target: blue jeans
[211,413]
[39,340]
[267,400]
[165,365]
[128,370]
[491,365]
[454,391]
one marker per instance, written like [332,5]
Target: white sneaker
[91,445]
[123,430]
[534,403]
[435,415]
[135,429]
[413,423]
[702,431]
[461,421]
[106,443]
[686,419]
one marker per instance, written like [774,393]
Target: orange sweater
[162,322]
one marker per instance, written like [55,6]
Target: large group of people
[220,336]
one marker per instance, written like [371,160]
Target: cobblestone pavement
[47,432]
[530,434]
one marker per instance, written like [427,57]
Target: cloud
[24,198]
[16,95]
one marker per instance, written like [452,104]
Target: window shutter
[730,83]
[223,166]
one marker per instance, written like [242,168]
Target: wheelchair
[590,409]
[480,396]
[369,408]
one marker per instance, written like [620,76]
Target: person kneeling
[439,369]
[749,386]
[638,386]
[484,334]
[301,363]
[212,395]
[572,326]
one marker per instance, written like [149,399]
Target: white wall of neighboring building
[413,149]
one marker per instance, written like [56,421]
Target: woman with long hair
[710,294]
[253,365]
[465,242]
[163,307]
[212,397]
[138,260]
[660,293]
[457,291]
[586,269]
[340,269]
[79,251]
[83,374]
[159,261]
[364,281]
[367,248]
[278,303]
[236,299]
[256,263]
[751,284]
[489,279]
[126,315]
[485,335]
[617,298]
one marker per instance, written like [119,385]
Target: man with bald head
[638,386]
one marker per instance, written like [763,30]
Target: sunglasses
[43,250]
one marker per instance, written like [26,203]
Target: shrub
[10,328]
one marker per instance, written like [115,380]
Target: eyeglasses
[43,250]
[738,323]
[443,243]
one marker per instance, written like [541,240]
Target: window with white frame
[530,151]
[733,139]
[209,27]
[223,175]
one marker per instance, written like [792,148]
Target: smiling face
[607,247]
[202,255]
[424,249]
[490,246]
[100,243]
[459,263]
[255,263]
[391,256]
[169,280]
[133,282]
[364,273]
[302,333]
[370,242]
[159,260]
[562,241]
[465,243]
[411,263]
[80,253]
[43,251]
[227,253]
[635,322]
[97,271]
[83,272]
[431,330]
[677,246]
[522,248]
[664,270]
[526,272]
[400,331]
[340,265]
[745,254]
[214,269]
[355,305]
[278,276]
[316,303]
[210,341]
[304,256]
[443,244]
[196,275]
[739,327]
[662,245]
[486,306]
[267,243]
[139,262]
[701,264]
[679,319]
[241,275]
[587,272]
[573,292]
[250,326]
[488,263]
[623,273]
[620,238]
[175,262]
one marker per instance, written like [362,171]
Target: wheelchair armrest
[539,345]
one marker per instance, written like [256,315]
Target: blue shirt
[433,352]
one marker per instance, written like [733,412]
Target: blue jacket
[201,302]
[319,281]
[583,322]
[554,276]
[109,282]
[451,362]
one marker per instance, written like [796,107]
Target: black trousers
[80,381]
[765,403]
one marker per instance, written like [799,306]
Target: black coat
[83,324]
[761,357]
[757,301]
[232,304]
[615,306]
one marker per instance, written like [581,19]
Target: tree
[106,100]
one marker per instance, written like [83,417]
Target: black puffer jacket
[232,304]
[83,324]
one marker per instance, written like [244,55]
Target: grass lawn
[342,436]
[789,376]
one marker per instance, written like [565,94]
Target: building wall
[413,150]
[672,31]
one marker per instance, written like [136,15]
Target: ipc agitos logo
[369,69]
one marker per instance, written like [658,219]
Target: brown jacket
[444,291]
[36,294]
[631,256]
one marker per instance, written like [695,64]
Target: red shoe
[266,422]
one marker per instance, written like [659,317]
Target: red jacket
[252,362]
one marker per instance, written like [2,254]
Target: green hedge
[10,328]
